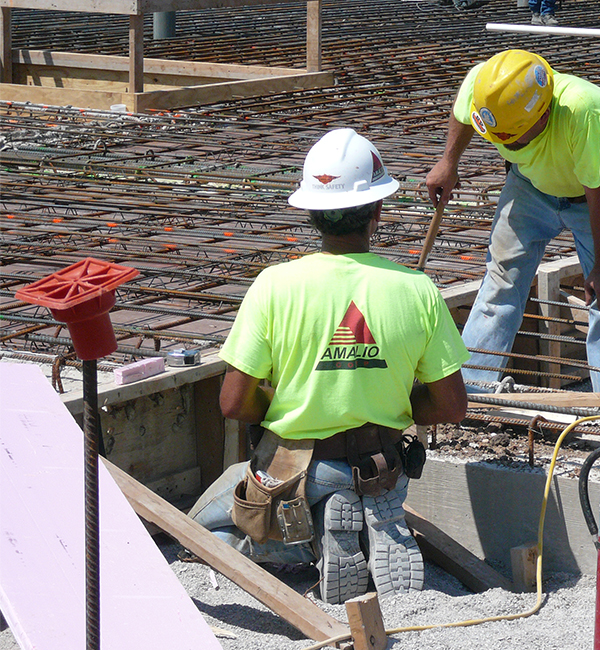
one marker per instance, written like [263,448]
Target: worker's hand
[592,285]
[440,181]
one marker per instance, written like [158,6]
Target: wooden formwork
[94,81]
[556,282]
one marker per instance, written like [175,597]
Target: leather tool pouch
[413,456]
[372,473]
[275,509]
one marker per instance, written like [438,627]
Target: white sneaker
[536,19]
[395,561]
[344,574]
[549,20]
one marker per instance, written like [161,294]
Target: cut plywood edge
[42,548]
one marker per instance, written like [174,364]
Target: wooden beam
[277,596]
[366,623]
[75,61]
[451,556]
[566,399]
[136,54]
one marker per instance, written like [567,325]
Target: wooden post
[5,46]
[313,36]
[524,564]
[136,53]
[366,623]
[549,289]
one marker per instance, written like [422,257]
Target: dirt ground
[513,445]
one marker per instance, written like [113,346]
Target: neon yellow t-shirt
[565,157]
[344,335]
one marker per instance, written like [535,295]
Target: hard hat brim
[322,201]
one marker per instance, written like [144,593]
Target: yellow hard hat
[512,91]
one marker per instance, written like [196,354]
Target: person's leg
[338,520]
[526,220]
[534,7]
[576,217]
[547,10]
[213,511]
[395,561]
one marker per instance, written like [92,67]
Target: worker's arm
[243,398]
[592,282]
[443,178]
[440,401]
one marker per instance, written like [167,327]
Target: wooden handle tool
[431,234]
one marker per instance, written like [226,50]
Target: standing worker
[341,336]
[547,127]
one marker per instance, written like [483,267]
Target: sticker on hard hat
[325,178]
[378,169]
[488,117]
[541,76]
[478,122]
[531,104]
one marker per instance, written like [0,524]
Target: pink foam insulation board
[42,554]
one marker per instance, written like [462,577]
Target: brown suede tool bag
[270,502]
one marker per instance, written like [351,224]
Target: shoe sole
[395,560]
[343,567]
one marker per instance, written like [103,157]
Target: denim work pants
[525,221]
[213,509]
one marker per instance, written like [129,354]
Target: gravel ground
[564,622]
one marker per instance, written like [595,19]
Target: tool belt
[270,502]
[377,455]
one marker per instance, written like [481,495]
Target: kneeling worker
[341,336]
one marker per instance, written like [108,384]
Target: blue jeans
[542,7]
[213,509]
[525,221]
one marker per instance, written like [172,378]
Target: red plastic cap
[81,296]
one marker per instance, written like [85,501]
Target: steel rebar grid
[195,198]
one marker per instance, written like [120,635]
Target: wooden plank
[451,556]
[366,623]
[284,601]
[42,550]
[173,377]
[565,399]
[129,7]
[151,66]
[165,99]
[212,93]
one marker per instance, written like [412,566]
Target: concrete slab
[490,509]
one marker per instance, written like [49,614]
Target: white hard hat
[342,170]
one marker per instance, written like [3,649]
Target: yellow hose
[540,545]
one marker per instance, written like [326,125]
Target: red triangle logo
[353,329]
